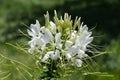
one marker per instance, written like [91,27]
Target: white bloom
[68,44]
[83,27]
[68,55]
[75,48]
[81,54]
[52,55]
[58,41]
[47,36]
[35,42]
[77,62]
[48,39]
[47,55]
[76,52]
[35,30]
[83,38]
[53,27]
[56,55]
[35,33]
[40,37]
[73,34]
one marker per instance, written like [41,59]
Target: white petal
[57,55]
[37,25]
[89,40]
[68,56]
[58,41]
[48,36]
[43,47]
[83,40]
[68,44]
[81,54]
[32,43]
[78,41]
[85,34]
[43,29]
[53,27]
[73,50]
[73,34]
[35,28]
[30,33]
[47,56]
[83,27]
[78,62]
[57,38]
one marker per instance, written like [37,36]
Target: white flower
[68,44]
[52,55]
[47,36]
[73,34]
[76,52]
[83,27]
[47,55]
[53,27]
[48,39]
[35,42]
[72,51]
[75,48]
[35,30]
[40,37]
[35,33]
[77,62]
[81,54]
[56,55]
[83,38]
[58,41]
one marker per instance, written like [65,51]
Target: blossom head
[60,39]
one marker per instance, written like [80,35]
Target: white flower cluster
[55,45]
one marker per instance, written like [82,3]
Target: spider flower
[60,40]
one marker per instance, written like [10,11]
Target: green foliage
[113,61]
[15,13]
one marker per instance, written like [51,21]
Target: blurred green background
[104,15]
